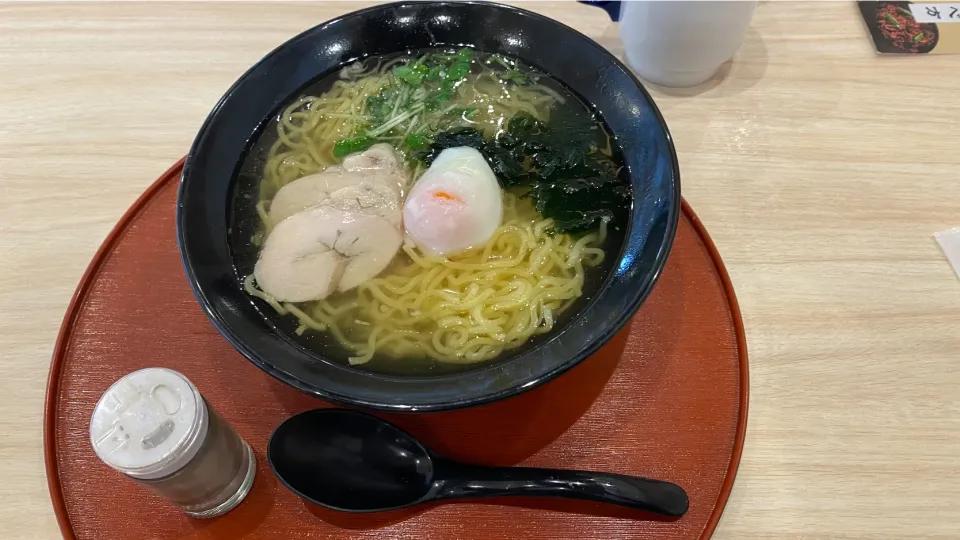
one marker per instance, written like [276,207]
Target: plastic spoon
[354,462]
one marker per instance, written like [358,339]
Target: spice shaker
[154,426]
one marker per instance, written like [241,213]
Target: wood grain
[820,169]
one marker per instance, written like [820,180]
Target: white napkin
[949,241]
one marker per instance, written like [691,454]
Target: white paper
[936,13]
[949,241]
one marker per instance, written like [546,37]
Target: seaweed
[561,164]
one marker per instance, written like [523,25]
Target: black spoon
[354,462]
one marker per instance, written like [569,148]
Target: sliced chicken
[380,163]
[370,198]
[374,178]
[378,156]
[299,195]
[296,263]
[370,242]
[323,249]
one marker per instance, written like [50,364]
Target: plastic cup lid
[149,424]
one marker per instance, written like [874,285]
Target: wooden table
[820,169]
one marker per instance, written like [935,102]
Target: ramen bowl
[209,186]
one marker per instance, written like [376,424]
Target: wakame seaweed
[568,176]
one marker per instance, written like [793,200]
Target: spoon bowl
[354,462]
[350,461]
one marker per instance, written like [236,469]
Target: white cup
[680,43]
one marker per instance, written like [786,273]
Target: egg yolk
[446,196]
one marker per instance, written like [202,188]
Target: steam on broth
[440,206]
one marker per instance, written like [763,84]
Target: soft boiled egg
[456,204]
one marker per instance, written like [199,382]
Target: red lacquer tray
[666,398]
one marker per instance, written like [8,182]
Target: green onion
[891,20]
[918,37]
[905,12]
[345,147]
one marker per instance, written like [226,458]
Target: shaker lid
[149,424]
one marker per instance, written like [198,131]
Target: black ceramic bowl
[206,195]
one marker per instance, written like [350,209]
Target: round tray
[666,398]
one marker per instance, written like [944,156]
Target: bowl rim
[513,389]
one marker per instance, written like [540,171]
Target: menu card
[913,28]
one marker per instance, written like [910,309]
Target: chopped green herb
[436,99]
[433,74]
[497,59]
[408,75]
[458,71]
[345,147]
[515,76]
[420,68]
[416,141]
[417,112]
[380,106]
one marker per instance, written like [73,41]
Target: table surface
[820,169]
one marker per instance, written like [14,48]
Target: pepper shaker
[154,427]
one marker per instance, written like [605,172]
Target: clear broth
[246,225]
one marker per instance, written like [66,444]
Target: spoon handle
[468,481]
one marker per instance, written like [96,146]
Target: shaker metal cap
[149,424]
